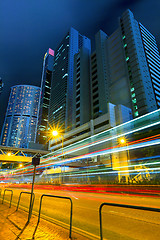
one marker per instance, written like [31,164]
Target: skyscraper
[125,69]
[20,124]
[81,88]
[45,96]
[134,67]
[99,79]
[60,110]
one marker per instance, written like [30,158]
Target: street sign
[35,161]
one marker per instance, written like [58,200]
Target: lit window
[65,75]
[134,100]
[136,113]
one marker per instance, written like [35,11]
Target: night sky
[29,27]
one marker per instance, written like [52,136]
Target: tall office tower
[61,107]
[20,124]
[1,85]
[45,96]
[81,88]
[99,77]
[134,66]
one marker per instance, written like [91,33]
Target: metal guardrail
[8,190]
[124,206]
[46,195]
[20,198]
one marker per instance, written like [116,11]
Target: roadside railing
[40,206]
[20,199]
[8,190]
[123,206]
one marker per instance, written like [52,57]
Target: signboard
[35,161]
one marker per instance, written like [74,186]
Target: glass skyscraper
[81,88]
[125,69]
[61,106]
[45,96]
[20,124]
[135,66]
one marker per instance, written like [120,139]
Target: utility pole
[35,162]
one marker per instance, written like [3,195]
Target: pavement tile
[12,222]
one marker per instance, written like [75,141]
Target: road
[118,223]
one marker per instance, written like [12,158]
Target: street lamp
[20,165]
[123,142]
[57,134]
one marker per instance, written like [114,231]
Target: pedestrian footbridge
[22,155]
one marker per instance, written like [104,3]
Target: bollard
[45,195]
[20,198]
[123,206]
[8,190]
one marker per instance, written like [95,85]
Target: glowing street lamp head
[122,140]
[8,154]
[20,165]
[55,133]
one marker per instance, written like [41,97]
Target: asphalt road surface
[118,223]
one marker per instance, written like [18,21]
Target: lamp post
[123,142]
[56,133]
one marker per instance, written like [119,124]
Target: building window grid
[157,66]
[151,48]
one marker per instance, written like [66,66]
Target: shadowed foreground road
[118,223]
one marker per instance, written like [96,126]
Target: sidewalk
[11,224]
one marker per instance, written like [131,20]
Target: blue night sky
[29,27]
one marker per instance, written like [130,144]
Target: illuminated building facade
[99,77]
[20,124]
[134,66]
[45,96]
[115,116]
[125,69]
[61,101]
[81,88]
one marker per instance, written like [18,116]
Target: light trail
[121,171]
[107,151]
[102,152]
[112,130]
[142,123]
[59,162]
